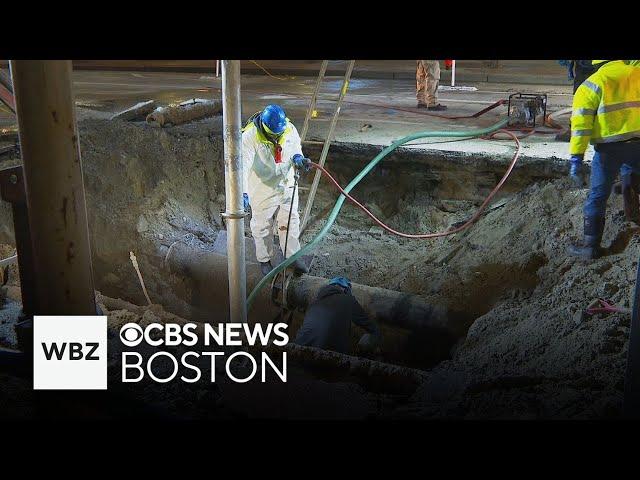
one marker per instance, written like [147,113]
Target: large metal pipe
[233,182]
[202,269]
[54,186]
[385,306]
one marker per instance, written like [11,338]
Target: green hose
[336,209]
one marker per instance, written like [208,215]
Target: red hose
[556,128]
[464,226]
[430,114]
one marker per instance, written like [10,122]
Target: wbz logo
[75,351]
[70,352]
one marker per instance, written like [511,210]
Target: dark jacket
[327,323]
[579,71]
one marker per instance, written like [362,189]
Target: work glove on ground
[301,162]
[245,201]
[575,171]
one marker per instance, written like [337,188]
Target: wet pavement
[375,111]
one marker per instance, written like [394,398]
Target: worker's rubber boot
[265,268]
[630,197]
[299,267]
[590,248]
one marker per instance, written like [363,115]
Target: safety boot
[265,268]
[299,267]
[630,198]
[590,248]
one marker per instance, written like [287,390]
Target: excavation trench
[159,193]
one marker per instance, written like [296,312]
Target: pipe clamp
[233,215]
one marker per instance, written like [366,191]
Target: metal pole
[632,375]
[453,73]
[325,148]
[314,100]
[12,189]
[6,92]
[233,179]
[54,186]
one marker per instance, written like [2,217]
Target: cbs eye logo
[131,334]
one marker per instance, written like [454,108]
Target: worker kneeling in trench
[327,322]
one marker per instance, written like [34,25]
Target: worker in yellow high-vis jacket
[606,113]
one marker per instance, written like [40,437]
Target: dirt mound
[533,352]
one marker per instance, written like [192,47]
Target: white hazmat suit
[269,185]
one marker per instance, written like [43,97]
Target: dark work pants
[614,158]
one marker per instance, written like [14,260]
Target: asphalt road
[368,102]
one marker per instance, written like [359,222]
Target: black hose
[286,242]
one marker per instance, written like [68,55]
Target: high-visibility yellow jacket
[606,107]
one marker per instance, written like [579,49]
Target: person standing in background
[427,81]
[578,71]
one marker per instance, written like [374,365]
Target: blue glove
[575,172]
[301,162]
[245,201]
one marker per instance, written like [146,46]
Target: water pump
[525,108]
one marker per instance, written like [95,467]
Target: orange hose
[464,226]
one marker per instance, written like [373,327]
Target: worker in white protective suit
[271,152]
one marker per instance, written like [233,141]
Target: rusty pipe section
[54,187]
[206,272]
[385,306]
[184,112]
[204,278]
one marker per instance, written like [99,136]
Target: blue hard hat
[273,119]
[342,281]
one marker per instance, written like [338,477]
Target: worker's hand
[368,344]
[245,201]
[575,171]
[301,162]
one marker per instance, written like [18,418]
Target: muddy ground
[530,353]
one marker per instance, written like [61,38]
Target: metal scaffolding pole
[314,100]
[54,186]
[233,180]
[325,149]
